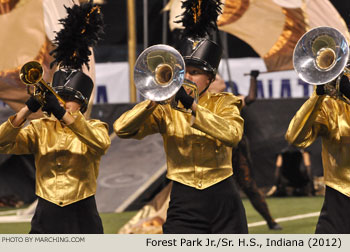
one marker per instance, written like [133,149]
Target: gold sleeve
[307,123]
[93,133]
[140,121]
[225,124]
[16,140]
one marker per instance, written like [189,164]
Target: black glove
[254,73]
[32,104]
[344,86]
[320,90]
[53,106]
[185,99]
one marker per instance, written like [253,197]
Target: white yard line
[15,218]
[283,219]
[9,212]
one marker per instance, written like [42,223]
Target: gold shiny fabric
[330,119]
[199,148]
[232,11]
[67,158]
[280,56]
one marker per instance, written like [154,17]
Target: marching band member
[199,145]
[327,117]
[241,156]
[66,146]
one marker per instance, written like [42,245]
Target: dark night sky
[114,45]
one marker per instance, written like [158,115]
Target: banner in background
[22,41]
[113,81]
[271,27]
[272,85]
[275,36]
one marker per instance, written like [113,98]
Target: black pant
[77,218]
[335,213]
[214,210]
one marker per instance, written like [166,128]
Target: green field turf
[279,207]
[285,207]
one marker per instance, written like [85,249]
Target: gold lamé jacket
[198,149]
[66,158]
[329,118]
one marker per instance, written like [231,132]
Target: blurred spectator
[293,169]
[10,201]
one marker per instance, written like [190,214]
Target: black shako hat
[202,53]
[82,29]
[73,84]
[199,21]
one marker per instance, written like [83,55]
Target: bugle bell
[31,74]
[321,56]
[159,73]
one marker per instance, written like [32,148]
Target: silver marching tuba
[159,73]
[321,56]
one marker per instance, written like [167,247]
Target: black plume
[200,16]
[82,29]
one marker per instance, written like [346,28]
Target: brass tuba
[321,56]
[159,73]
[30,74]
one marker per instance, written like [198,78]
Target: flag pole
[131,47]
[266,72]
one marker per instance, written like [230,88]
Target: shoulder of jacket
[221,94]
[94,121]
[97,122]
[42,120]
[225,95]
[330,102]
[39,123]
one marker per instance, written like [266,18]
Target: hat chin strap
[210,82]
[203,91]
